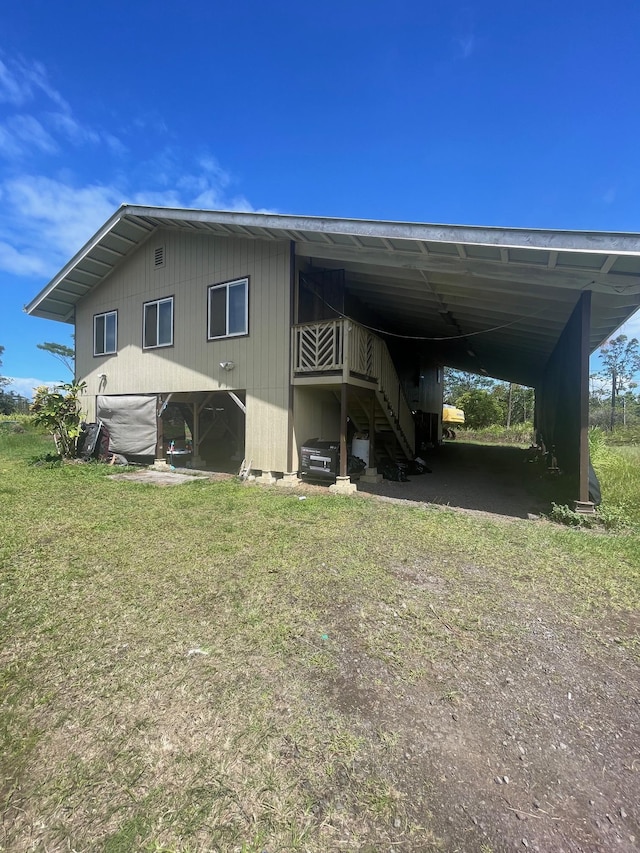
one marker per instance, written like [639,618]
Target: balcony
[341,351]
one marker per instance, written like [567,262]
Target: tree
[457,382]
[3,379]
[481,409]
[63,353]
[516,401]
[58,410]
[621,361]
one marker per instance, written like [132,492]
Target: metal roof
[492,299]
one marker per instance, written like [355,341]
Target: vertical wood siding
[192,263]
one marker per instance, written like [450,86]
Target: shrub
[58,411]
[562,514]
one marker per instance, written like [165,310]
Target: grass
[168,654]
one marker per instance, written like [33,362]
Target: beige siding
[192,263]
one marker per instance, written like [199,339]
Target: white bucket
[360,448]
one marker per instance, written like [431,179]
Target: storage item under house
[319,458]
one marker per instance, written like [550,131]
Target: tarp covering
[131,421]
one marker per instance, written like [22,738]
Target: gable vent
[158,257]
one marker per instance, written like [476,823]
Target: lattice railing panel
[318,346]
[362,348]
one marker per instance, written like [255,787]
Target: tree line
[487,401]
[614,400]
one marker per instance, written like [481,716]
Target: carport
[524,306]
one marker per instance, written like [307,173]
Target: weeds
[562,514]
[518,434]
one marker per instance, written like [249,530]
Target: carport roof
[485,299]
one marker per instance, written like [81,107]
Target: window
[228,309]
[158,323]
[105,333]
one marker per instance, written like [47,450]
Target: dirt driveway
[527,741]
[483,478]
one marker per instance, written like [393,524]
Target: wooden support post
[343,429]
[585,333]
[372,430]
[159,428]
[195,438]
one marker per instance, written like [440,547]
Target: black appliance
[319,459]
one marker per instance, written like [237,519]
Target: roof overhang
[486,299]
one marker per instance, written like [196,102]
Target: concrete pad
[156,478]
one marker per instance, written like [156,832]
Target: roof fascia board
[523,238]
[516,272]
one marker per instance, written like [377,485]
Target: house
[263,330]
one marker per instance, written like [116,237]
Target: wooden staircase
[389,441]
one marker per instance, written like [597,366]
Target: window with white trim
[158,323]
[105,333]
[228,309]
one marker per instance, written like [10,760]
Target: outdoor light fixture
[227,365]
[102,376]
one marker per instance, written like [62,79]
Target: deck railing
[343,347]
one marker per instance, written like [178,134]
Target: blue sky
[488,113]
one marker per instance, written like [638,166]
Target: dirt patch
[162,478]
[479,479]
[528,740]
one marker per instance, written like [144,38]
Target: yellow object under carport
[451,415]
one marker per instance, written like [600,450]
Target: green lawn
[163,650]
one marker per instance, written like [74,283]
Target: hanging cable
[420,337]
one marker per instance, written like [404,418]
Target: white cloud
[21,262]
[25,387]
[55,218]
[67,125]
[22,133]
[21,81]
[14,89]
[44,221]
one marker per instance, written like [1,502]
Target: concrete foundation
[266,479]
[343,486]
[371,476]
[584,507]
[289,480]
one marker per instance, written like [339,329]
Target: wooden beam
[606,266]
[585,329]
[343,429]
[159,428]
